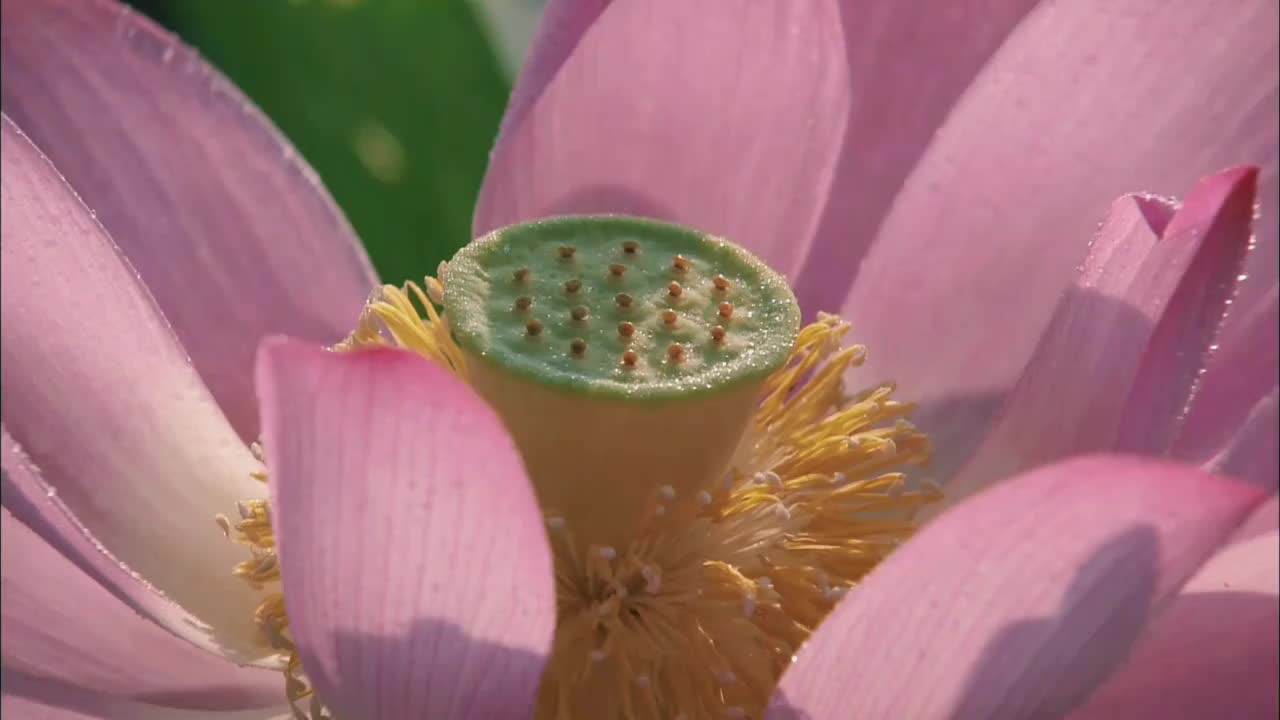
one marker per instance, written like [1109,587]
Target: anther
[626,329]
[674,289]
[669,317]
[523,302]
[704,498]
[573,286]
[578,347]
[533,327]
[223,523]
[721,282]
[567,251]
[643,682]
[623,300]
[675,351]
[839,478]
[629,359]
[717,335]
[667,492]
[579,313]
[521,275]
[680,263]
[555,522]
[629,247]
[726,310]
[605,552]
[617,270]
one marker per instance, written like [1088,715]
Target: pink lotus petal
[100,395]
[1263,520]
[1213,652]
[1081,104]
[228,227]
[1017,602]
[1136,307]
[671,111]
[416,569]
[41,512]
[58,623]
[1218,217]
[23,697]
[1234,389]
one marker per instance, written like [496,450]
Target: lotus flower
[936,177]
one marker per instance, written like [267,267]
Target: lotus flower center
[710,488]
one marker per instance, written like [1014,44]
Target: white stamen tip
[904,424]
[246,512]
[642,681]
[704,498]
[773,479]
[855,442]
[555,522]
[837,593]
[889,449]
[667,492]
[748,606]
[839,478]
[660,510]
[652,579]
[759,479]
[605,552]
[765,582]
[597,655]
[223,523]
[726,677]
[781,512]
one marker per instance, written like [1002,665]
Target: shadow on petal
[1090,616]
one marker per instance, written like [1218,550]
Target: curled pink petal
[60,624]
[416,568]
[1138,306]
[102,399]
[1213,652]
[1217,217]
[226,224]
[1081,104]
[1019,601]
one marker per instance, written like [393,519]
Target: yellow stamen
[701,611]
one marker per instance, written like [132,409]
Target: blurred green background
[396,103]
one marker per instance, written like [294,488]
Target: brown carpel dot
[617,270]
[674,289]
[524,302]
[680,263]
[578,347]
[579,313]
[675,353]
[626,329]
[721,282]
[521,275]
[717,335]
[623,300]
[629,247]
[669,317]
[573,286]
[567,251]
[534,328]
[629,359]
[726,310]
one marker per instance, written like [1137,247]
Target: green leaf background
[395,103]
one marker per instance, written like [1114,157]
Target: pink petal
[27,698]
[416,568]
[1135,307]
[1016,603]
[1218,217]
[60,624]
[779,126]
[1263,520]
[1213,653]
[1082,103]
[226,224]
[100,395]
[1233,396]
